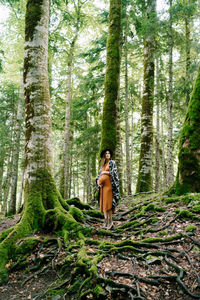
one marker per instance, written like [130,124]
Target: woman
[109,187]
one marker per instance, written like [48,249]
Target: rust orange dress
[106,194]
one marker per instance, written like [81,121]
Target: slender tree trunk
[109,118]
[188,60]
[170,163]
[157,154]
[1,176]
[15,159]
[128,164]
[162,155]
[67,131]
[144,182]
[6,184]
[21,191]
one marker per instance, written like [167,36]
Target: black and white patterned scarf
[114,181]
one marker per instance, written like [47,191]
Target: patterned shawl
[114,181]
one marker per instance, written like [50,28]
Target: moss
[130,224]
[188,176]
[5,233]
[167,239]
[76,202]
[171,200]
[162,233]
[196,208]
[26,245]
[98,291]
[109,124]
[190,228]
[95,213]
[185,214]
[77,214]
[154,220]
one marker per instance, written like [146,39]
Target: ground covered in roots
[153,252]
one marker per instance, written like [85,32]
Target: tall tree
[170,162]
[109,126]
[43,206]
[144,182]
[188,176]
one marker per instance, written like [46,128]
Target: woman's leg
[105,218]
[110,223]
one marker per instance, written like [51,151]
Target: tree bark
[67,130]
[188,60]
[188,175]
[157,154]
[109,118]
[144,182]
[128,164]
[15,159]
[170,163]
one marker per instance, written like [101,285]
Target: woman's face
[107,155]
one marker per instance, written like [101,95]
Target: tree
[144,182]
[188,175]
[109,118]
[43,206]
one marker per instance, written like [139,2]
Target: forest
[78,77]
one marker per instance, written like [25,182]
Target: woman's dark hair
[103,156]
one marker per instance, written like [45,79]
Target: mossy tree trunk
[188,176]
[109,118]
[44,208]
[144,181]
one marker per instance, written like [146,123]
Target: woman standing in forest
[108,182]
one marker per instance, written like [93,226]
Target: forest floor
[153,253]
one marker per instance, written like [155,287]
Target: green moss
[5,233]
[130,224]
[77,214]
[171,200]
[190,228]
[185,214]
[76,202]
[98,290]
[162,233]
[154,220]
[109,124]
[188,176]
[26,245]
[196,208]
[95,213]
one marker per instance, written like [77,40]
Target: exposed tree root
[94,263]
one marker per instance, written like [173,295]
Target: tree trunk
[170,163]
[188,61]
[109,118]
[157,154]
[128,164]
[188,176]
[1,177]
[21,191]
[44,209]
[15,159]
[67,130]
[144,182]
